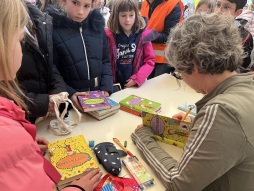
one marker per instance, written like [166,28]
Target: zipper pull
[80,29]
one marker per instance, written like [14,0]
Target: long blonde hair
[13,17]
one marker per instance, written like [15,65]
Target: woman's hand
[130,83]
[90,180]
[139,127]
[180,117]
[42,143]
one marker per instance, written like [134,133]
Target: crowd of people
[49,47]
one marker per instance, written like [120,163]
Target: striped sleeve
[206,155]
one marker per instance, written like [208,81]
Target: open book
[166,129]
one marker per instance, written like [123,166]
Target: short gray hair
[211,42]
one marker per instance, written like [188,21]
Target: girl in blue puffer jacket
[81,50]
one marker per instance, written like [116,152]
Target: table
[163,89]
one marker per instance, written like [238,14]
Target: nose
[80,11]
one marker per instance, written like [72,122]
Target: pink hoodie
[21,168]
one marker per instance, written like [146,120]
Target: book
[135,105]
[166,129]
[140,174]
[113,106]
[93,101]
[100,117]
[72,158]
[186,106]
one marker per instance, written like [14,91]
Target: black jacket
[170,21]
[81,53]
[37,75]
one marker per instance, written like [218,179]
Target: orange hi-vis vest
[156,22]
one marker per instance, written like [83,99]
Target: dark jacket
[37,75]
[170,21]
[247,46]
[81,53]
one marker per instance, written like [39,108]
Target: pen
[186,114]
[122,147]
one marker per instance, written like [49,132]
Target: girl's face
[77,10]
[15,53]
[126,20]
[202,9]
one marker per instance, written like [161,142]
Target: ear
[238,12]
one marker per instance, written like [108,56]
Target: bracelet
[73,185]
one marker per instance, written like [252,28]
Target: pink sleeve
[147,66]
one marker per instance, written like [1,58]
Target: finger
[92,173]
[96,179]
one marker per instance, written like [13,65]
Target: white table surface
[163,89]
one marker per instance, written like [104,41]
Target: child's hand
[105,93]
[180,116]
[42,143]
[130,83]
[90,180]
[75,101]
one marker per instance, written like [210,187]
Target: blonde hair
[123,6]
[13,17]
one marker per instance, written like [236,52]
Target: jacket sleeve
[38,106]
[147,65]
[57,84]
[171,20]
[56,69]
[208,153]
[106,75]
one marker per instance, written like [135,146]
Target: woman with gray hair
[219,154]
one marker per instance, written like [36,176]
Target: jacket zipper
[84,45]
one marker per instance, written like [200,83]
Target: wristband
[76,186]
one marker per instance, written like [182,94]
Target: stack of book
[97,105]
[136,105]
[101,114]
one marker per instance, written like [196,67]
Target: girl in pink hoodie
[22,166]
[131,53]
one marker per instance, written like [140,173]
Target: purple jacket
[143,63]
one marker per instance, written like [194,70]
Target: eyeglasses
[178,77]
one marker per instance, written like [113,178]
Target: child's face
[225,7]
[202,9]
[126,20]
[77,10]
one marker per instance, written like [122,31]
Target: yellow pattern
[71,156]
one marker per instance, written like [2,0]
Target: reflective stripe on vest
[159,52]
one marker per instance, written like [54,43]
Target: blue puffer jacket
[81,53]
